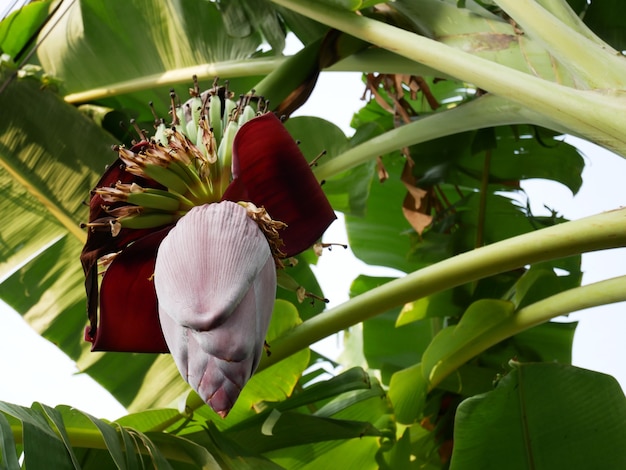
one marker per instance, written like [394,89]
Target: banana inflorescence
[191,159]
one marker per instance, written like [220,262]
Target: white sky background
[33,369]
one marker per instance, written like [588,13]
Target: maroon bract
[100,243]
[266,148]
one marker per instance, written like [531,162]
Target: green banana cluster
[191,158]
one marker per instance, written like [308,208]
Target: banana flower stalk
[190,236]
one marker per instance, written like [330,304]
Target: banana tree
[456,364]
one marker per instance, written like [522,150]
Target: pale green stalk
[206,72]
[596,115]
[599,66]
[382,61]
[602,231]
[482,112]
[372,60]
[563,303]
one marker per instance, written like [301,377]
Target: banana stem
[290,74]
[592,295]
[602,231]
[579,53]
[382,61]
[596,115]
[231,69]
[486,111]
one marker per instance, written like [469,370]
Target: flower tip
[221,402]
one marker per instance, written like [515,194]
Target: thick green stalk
[602,231]
[92,439]
[382,61]
[207,72]
[599,66]
[294,71]
[482,112]
[592,295]
[596,115]
[371,60]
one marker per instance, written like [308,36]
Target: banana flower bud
[215,281]
[191,252]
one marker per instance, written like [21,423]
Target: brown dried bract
[270,229]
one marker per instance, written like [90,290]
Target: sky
[33,369]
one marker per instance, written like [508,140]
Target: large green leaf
[382,236]
[95,47]
[540,282]
[441,304]
[352,453]
[50,160]
[522,153]
[51,150]
[65,437]
[543,416]
[45,177]
[96,44]
[548,342]
[232,455]
[243,17]
[49,292]
[407,391]
[504,219]
[282,426]
[386,346]
[8,456]
[516,153]
[348,191]
[20,27]
[291,428]
[479,318]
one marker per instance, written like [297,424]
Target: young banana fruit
[189,160]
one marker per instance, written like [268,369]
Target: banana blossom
[202,285]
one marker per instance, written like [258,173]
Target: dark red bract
[270,170]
